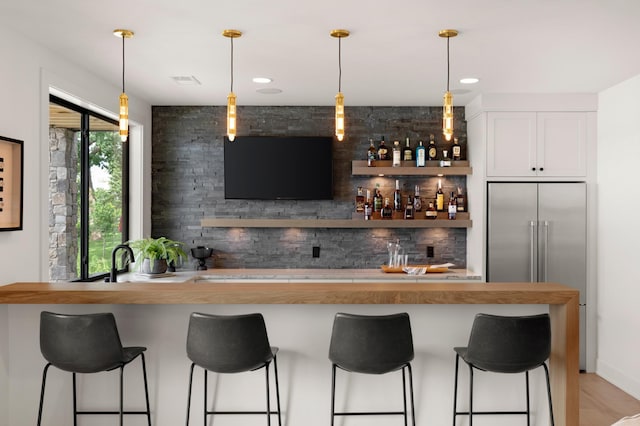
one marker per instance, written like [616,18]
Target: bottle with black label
[456,151]
[417,202]
[439,197]
[368,207]
[431,212]
[397,154]
[407,152]
[377,200]
[446,161]
[383,152]
[397,198]
[432,152]
[408,208]
[452,206]
[387,211]
[359,200]
[421,155]
[460,201]
[372,154]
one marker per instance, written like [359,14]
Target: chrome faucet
[113,275]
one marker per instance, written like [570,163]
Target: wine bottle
[368,207]
[417,202]
[421,155]
[397,155]
[456,150]
[397,198]
[359,200]
[439,197]
[377,200]
[409,209]
[383,153]
[460,201]
[387,212]
[372,154]
[446,161]
[407,152]
[432,152]
[431,212]
[452,206]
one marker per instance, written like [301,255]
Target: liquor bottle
[359,200]
[397,155]
[383,152]
[368,207]
[417,202]
[1,164]
[452,206]
[456,150]
[431,212]
[1,203]
[421,155]
[377,200]
[408,209]
[460,201]
[439,197]
[446,161]
[372,154]
[407,152]
[432,152]
[397,198]
[387,212]
[1,184]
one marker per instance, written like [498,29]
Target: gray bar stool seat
[505,344]
[87,344]
[230,344]
[372,344]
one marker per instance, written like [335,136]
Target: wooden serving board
[430,269]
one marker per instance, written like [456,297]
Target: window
[88,192]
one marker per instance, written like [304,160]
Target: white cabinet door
[511,144]
[562,144]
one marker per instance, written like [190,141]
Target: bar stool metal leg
[189,394]
[266,374]
[470,396]
[526,375]
[44,380]
[205,397]
[455,391]
[333,393]
[413,406]
[404,396]
[275,369]
[146,389]
[546,373]
[75,405]
[121,396]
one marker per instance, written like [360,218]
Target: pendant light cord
[123,37]
[448,38]
[339,64]
[231,64]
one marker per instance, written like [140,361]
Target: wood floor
[602,404]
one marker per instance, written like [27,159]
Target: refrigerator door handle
[532,251]
[546,250]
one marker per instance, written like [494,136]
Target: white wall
[619,235]
[27,72]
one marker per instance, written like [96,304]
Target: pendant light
[124,100]
[231,98]
[339,34]
[447,109]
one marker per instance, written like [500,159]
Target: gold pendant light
[447,109]
[124,99]
[231,98]
[339,34]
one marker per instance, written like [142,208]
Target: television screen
[278,168]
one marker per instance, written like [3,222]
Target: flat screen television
[278,168]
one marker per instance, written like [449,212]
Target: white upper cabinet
[545,144]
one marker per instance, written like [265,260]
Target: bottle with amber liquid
[377,200]
[460,201]
[417,202]
[387,211]
[383,152]
[439,197]
[397,198]
[409,212]
[456,151]
[432,152]
[359,200]
[431,212]
[407,152]
[368,206]
[453,207]
[372,154]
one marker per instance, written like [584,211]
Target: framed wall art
[11,179]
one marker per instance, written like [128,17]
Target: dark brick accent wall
[188,184]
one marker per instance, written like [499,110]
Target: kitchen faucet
[113,275]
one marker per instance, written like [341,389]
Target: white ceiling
[393,57]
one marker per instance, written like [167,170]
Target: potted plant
[153,254]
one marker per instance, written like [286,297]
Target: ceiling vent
[186,80]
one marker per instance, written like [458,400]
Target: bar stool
[505,345]
[87,344]
[372,345]
[230,344]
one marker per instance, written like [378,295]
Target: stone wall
[188,185]
[63,206]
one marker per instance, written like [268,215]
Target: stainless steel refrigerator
[537,232]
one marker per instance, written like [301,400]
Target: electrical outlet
[429,251]
[316,251]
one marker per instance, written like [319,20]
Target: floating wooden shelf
[462,221]
[408,168]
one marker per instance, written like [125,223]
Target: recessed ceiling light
[269,91]
[262,80]
[186,80]
[469,80]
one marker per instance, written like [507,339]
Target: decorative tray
[429,269]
